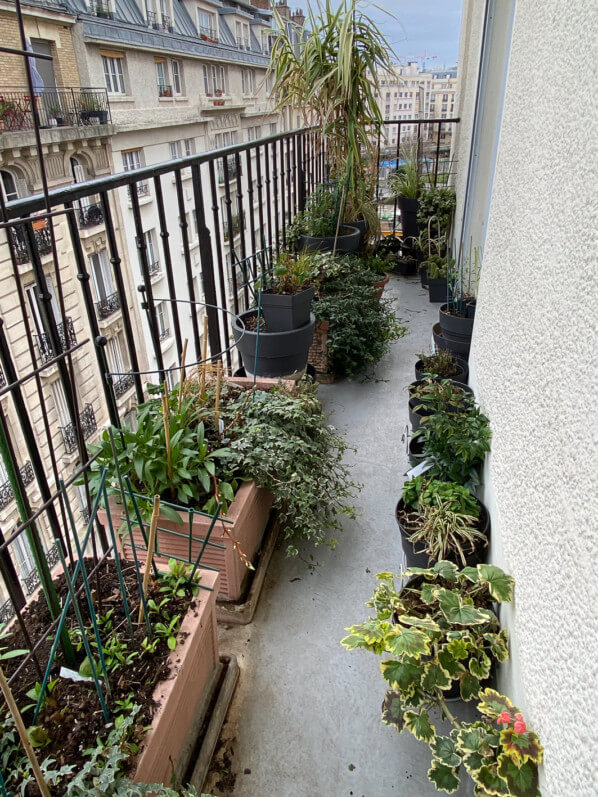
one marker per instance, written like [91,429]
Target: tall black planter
[415,416]
[461,375]
[362,226]
[278,353]
[437,288]
[283,311]
[416,556]
[423,276]
[347,241]
[460,349]
[408,208]
[456,328]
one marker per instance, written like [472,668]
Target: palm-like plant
[332,75]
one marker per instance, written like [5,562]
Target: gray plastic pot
[283,311]
[456,328]
[461,349]
[462,374]
[347,241]
[279,354]
[415,416]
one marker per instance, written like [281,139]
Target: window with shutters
[177,82]
[113,74]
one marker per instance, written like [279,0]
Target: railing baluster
[241,213]
[221,275]
[268,194]
[276,212]
[184,227]
[250,200]
[437,154]
[165,235]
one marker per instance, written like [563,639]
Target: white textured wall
[534,370]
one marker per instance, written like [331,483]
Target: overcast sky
[420,26]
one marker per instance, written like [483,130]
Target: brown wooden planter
[244,524]
[192,666]
[318,352]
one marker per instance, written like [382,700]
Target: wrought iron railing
[2,378]
[228,171]
[101,8]
[56,107]
[31,580]
[164,333]
[90,215]
[108,305]
[164,90]
[43,242]
[6,491]
[154,268]
[208,34]
[87,420]
[66,336]
[123,384]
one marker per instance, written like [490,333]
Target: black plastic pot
[406,266]
[461,349]
[416,556]
[278,353]
[347,241]
[415,416]
[408,208]
[416,450]
[455,327]
[310,372]
[388,244]
[462,374]
[423,276]
[89,117]
[362,226]
[437,288]
[470,306]
[287,311]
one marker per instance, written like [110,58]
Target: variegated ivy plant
[441,633]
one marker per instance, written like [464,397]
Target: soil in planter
[72,716]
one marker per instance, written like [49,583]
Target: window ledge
[120,98]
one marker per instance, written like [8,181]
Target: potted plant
[56,112]
[379,264]
[429,396]
[8,113]
[441,520]
[441,364]
[92,109]
[456,317]
[407,184]
[272,354]
[318,229]
[455,443]
[286,304]
[438,634]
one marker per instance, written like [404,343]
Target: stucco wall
[534,371]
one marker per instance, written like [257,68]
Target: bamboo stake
[25,741]
[204,354]
[150,552]
[166,415]
[218,388]
[182,374]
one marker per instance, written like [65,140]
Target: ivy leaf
[480,667]
[447,570]
[401,675]
[428,593]
[500,585]
[444,778]
[470,687]
[420,622]
[435,677]
[407,642]
[443,748]
[420,726]
[522,781]
[392,710]
[458,612]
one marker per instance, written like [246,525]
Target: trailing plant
[320,217]
[438,633]
[286,445]
[361,326]
[440,364]
[438,203]
[455,443]
[443,532]
[424,491]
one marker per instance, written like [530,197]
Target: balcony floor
[305,719]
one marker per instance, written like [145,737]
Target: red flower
[520,726]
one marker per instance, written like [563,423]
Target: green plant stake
[138,516]
[41,564]
[86,645]
[205,542]
[118,565]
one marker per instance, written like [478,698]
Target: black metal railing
[164,333]
[208,34]
[6,491]
[154,268]
[87,419]
[2,378]
[66,335]
[123,384]
[166,23]
[90,215]
[230,172]
[43,243]
[101,8]
[164,90]
[31,580]
[108,305]
[56,107]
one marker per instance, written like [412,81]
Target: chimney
[283,9]
[261,4]
[298,18]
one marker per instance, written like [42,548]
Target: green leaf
[491,782]
[428,593]
[444,750]
[447,570]
[170,513]
[521,746]
[500,585]
[458,648]
[444,778]
[171,642]
[448,662]
[407,642]
[226,491]
[420,622]
[435,677]
[498,645]
[470,687]
[204,479]
[402,675]
[458,612]
[471,573]
[392,710]
[522,781]
[420,726]
[480,668]
[492,703]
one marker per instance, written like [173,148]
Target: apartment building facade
[160,81]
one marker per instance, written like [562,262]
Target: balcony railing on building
[164,90]
[90,214]
[231,170]
[6,491]
[101,8]
[43,241]
[56,107]
[123,384]
[154,268]
[108,305]
[88,423]
[31,580]
[236,227]
[66,335]
[208,34]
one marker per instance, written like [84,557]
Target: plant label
[418,470]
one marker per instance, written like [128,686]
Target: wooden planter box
[192,667]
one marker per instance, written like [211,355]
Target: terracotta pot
[380,285]
[245,524]
[192,665]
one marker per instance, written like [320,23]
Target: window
[273,127]
[148,237]
[254,133]
[445,98]
[35,309]
[62,409]
[242,35]
[214,80]
[207,86]
[113,74]
[206,23]
[248,81]
[23,555]
[132,160]
[101,274]
[175,149]
[177,84]
[189,146]
[114,356]
[9,185]
[162,315]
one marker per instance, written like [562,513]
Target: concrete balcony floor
[305,719]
